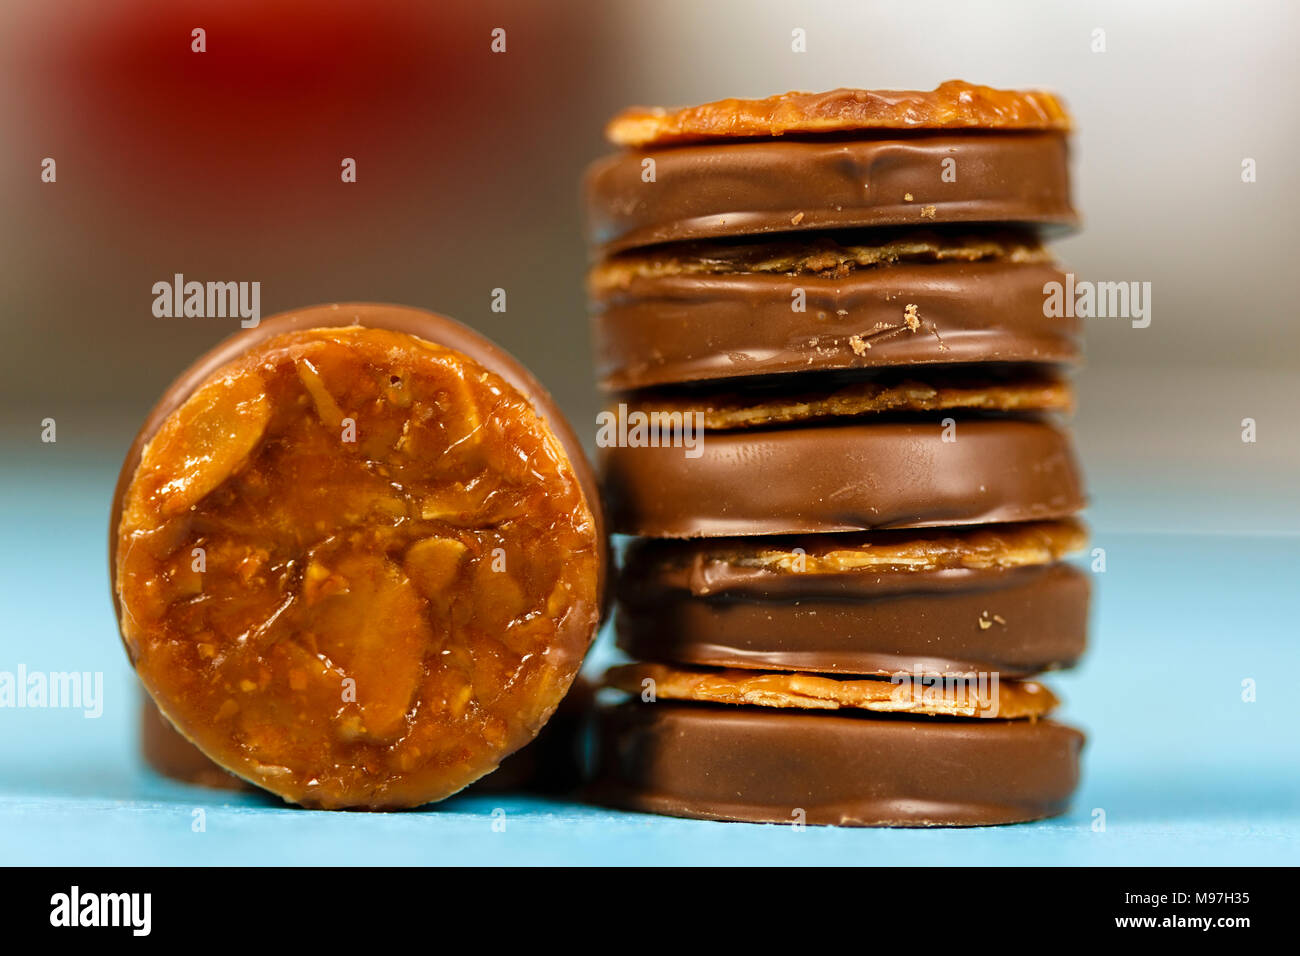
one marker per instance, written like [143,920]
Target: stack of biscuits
[834,408]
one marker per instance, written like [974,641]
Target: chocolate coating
[684,328]
[750,188]
[760,766]
[1016,622]
[844,477]
[425,325]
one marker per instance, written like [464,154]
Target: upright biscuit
[357,556]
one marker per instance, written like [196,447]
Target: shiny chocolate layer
[1015,622]
[845,477]
[659,330]
[772,766]
[754,188]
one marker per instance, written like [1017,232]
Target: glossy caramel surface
[356,568]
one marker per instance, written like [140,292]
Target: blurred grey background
[225,166]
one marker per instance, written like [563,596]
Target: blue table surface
[1185,770]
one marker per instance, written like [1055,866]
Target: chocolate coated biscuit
[844,477]
[700,313]
[777,766]
[713,191]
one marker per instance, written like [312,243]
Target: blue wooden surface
[1185,770]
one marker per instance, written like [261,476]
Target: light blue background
[1185,771]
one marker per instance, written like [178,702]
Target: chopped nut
[200,446]
[456,706]
[319,582]
[498,597]
[351,728]
[326,408]
[433,564]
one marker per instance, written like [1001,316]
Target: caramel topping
[731,410]
[973,696]
[356,568]
[818,256]
[999,546]
[955,104]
